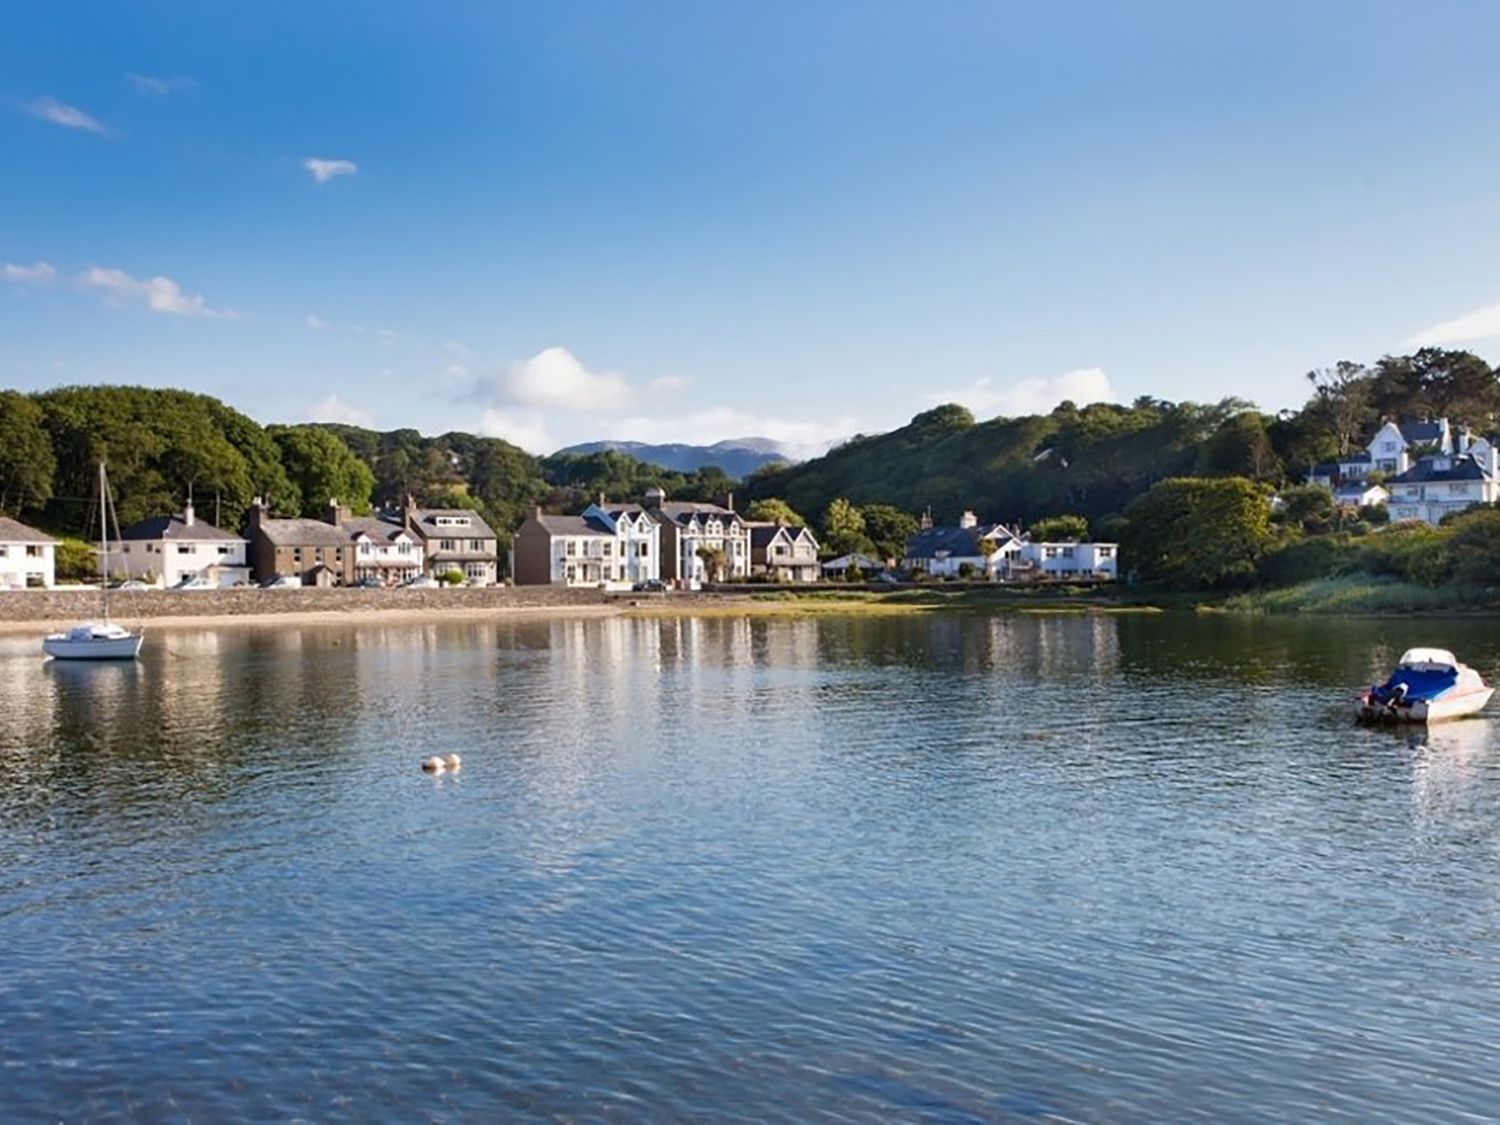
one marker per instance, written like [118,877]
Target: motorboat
[1428,686]
[101,640]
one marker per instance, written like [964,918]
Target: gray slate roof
[428,529]
[381,530]
[681,512]
[1425,471]
[14,531]
[1421,431]
[574,525]
[947,542]
[176,529]
[303,533]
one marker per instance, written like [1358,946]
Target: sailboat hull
[64,647]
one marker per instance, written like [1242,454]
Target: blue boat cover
[1420,684]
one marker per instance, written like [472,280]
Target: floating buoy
[454,762]
[434,764]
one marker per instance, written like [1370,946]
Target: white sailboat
[97,640]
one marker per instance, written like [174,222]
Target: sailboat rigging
[97,640]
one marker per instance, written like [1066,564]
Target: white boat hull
[63,647]
[1426,710]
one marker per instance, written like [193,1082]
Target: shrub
[451,578]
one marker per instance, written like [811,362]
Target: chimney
[653,499]
[337,513]
[187,513]
[256,514]
[536,512]
[601,498]
[968,519]
[729,502]
[926,521]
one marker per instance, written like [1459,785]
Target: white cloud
[316,323]
[526,428]
[60,113]
[1481,324]
[152,87]
[663,384]
[456,371]
[1035,395]
[554,377]
[455,347]
[159,294]
[38,273]
[331,408]
[325,170]
[387,337]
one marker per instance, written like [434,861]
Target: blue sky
[694,221]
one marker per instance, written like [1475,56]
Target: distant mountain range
[739,457]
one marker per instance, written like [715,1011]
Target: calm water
[949,868]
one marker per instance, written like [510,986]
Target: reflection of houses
[168,550]
[384,552]
[28,557]
[783,554]
[605,544]
[453,539]
[317,552]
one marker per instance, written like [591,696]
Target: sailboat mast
[103,544]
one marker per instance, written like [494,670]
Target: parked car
[650,586]
[134,584]
[195,584]
[421,582]
[285,582]
[369,584]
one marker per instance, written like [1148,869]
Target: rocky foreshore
[76,604]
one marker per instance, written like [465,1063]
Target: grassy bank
[1358,593]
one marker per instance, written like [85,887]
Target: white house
[784,554]
[981,550]
[1439,484]
[384,551]
[28,557]
[1391,451]
[688,527]
[1071,559]
[168,550]
[1360,494]
[603,546]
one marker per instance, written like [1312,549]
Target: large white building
[1440,484]
[1071,559]
[605,545]
[28,557]
[171,550]
[384,552]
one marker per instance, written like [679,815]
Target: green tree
[1196,533]
[1473,547]
[772,510]
[26,460]
[320,465]
[1342,402]
[1058,529]
[888,528]
[843,528]
[1308,507]
[714,560]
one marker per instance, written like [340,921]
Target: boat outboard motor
[1398,696]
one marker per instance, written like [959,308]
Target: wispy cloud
[331,408]
[38,273]
[324,170]
[68,116]
[150,86]
[159,294]
[316,323]
[1035,395]
[1480,324]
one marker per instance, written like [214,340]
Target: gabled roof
[380,530]
[764,534]
[682,512]
[303,533]
[14,531]
[864,562]
[1425,471]
[176,529]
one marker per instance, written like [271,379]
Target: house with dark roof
[604,545]
[28,557]
[316,552]
[453,539]
[171,550]
[783,554]
[699,542]
[983,550]
[1440,484]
